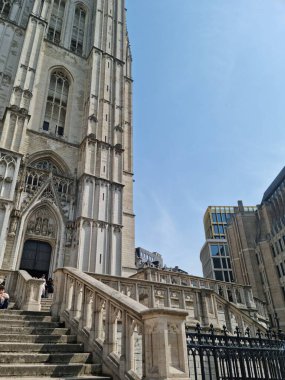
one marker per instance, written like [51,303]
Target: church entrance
[36,258]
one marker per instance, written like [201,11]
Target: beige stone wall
[250,239]
[90,199]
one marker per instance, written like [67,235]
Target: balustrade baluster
[79,289]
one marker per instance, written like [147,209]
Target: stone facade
[66,170]
[257,245]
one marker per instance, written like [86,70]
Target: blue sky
[209,114]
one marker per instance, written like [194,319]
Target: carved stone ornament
[152,327]
[173,328]
[42,223]
[93,118]
[69,231]
[13,226]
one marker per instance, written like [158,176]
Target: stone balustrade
[222,304]
[236,293]
[241,295]
[4,274]
[131,340]
[23,289]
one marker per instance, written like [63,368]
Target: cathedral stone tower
[66,171]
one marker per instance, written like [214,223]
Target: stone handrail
[23,289]
[239,294]
[131,340]
[233,292]
[204,305]
[4,274]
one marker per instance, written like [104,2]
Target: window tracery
[77,37]
[5,6]
[56,21]
[7,169]
[45,164]
[56,104]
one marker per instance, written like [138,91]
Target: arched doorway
[36,257]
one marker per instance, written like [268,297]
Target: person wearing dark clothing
[49,287]
[4,298]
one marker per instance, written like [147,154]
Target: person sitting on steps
[4,298]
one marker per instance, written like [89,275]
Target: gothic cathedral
[66,170]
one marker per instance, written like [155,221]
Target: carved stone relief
[42,223]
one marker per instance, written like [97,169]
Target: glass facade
[221,262]
[217,263]
[219,217]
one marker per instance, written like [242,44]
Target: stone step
[28,323]
[71,369]
[82,377]
[38,338]
[46,301]
[33,345]
[23,312]
[40,347]
[35,330]
[62,358]
[32,318]
[46,309]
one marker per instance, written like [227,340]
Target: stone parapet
[132,340]
[206,302]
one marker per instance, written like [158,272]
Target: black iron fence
[222,356]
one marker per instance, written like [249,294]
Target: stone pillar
[165,344]
[58,304]
[205,318]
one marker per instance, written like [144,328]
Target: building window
[229,263]
[216,229]
[226,276]
[56,20]
[214,250]
[56,104]
[217,263]
[221,229]
[278,270]
[77,37]
[219,218]
[222,250]
[273,251]
[47,165]
[5,7]
[219,275]
[224,262]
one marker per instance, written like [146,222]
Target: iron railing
[220,356]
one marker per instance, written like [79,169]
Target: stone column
[165,344]
[58,304]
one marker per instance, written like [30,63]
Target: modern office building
[257,245]
[214,255]
[66,165]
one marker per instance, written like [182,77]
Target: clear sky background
[209,114]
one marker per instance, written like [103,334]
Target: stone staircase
[46,304]
[34,345]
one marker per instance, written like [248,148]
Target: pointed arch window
[78,28]
[5,6]
[56,103]
[56,21]
[47,165]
